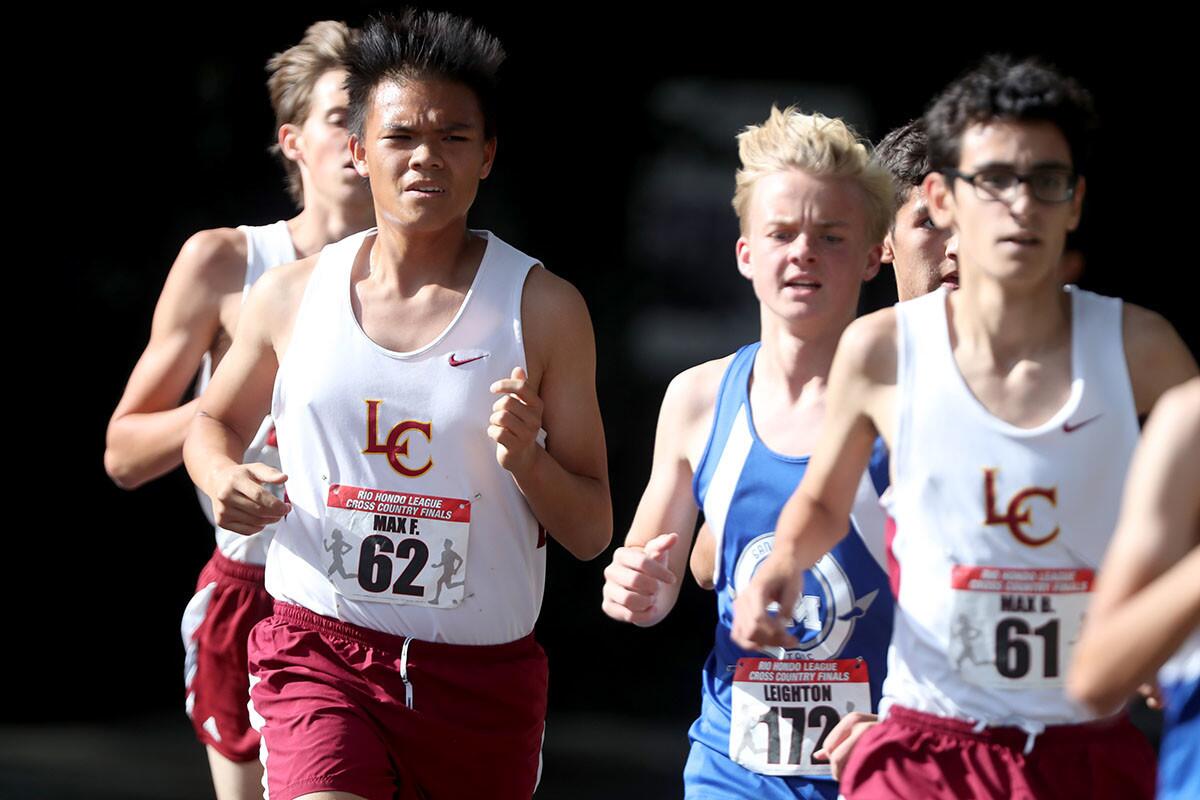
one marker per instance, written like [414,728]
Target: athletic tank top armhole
[514,304]
[317,279]
[903,387]
[515,300]
[1102,317]
[251,253]
[726,377]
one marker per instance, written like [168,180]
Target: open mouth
[1023,240]
[950,279]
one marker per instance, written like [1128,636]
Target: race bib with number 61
[783,710]
[393,547]
[1015,627]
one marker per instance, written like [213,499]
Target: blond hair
[817,145]
[294,72]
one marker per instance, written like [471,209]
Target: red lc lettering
[1018,515]
[393,448]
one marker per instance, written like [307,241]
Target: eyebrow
[837,223]
[449,127]
[1040,165]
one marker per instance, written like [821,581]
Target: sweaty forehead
[796,196]
[329,91]
[416,102]
[1024,145]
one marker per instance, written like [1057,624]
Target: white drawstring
[408,689]
[1032,729]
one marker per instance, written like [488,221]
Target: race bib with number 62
[394,547]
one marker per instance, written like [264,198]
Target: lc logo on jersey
[828,610]
[396,446]
[1018,515]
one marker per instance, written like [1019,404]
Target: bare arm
[235,403]
[642,583]
[1157,358]
[147,429]
[1148,594]
[816,517]
[566,483]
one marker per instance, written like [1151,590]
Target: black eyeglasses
[997,183]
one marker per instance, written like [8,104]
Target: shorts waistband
[238,570]
[480,653]
[1006,735]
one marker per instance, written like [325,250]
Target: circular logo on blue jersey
[824,616]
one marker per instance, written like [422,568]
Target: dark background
[615,168]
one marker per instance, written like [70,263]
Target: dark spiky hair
[904,153]
[424,44]
[1001,88]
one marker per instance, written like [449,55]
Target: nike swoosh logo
[1069,428]
[454,362]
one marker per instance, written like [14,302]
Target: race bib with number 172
[783,710]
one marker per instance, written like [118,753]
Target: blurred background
[615,167]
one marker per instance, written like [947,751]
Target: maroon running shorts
[229,601]
[346,708]
[911,754]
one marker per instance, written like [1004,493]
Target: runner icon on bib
[391,537]
[1015,627]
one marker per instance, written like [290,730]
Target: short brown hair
[294,72]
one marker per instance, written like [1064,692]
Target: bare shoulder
[692,393]
[551,300]
[1144,330]
[1156,356]
[688,408]
[1177,416]
[215,258]
[556,323]
[275,297]
[868,347]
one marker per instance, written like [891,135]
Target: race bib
[391,547]
[1015,628]
[783,710]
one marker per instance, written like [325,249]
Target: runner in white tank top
[991,429]
[194,323]
[267,246]
[421,472]
[411,373]
[1011,533]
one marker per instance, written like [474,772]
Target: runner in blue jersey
[923,257]
[733,439]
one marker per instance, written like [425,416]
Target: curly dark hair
[904,153]
[1002,88]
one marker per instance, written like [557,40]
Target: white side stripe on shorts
[258,723]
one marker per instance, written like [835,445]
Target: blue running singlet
[763,716]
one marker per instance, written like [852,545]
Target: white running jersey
[267,246]
[999,529]
[402,520]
